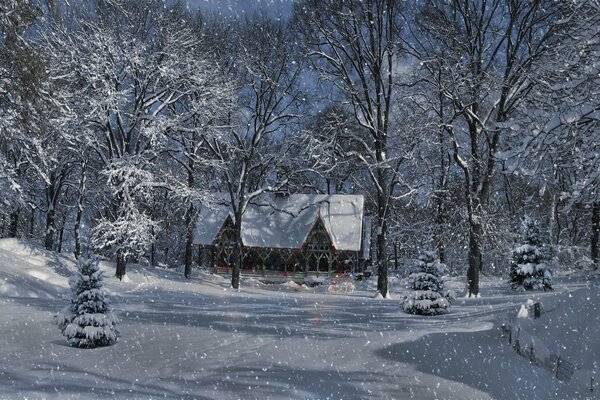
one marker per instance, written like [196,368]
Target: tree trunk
[382,208]
[153,251]
[50,228]
[475,236]
[382,270]
[14,223]
[382,277]
[189,250]
[595,250]
[474,261]
[439,228]
[121,265]
[79,216]
[32,223]
[238,254]
[60,237]
[552,222]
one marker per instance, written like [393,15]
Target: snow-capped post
[427,283]
[88,322]
[529,269]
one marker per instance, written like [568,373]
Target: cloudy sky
[241,7]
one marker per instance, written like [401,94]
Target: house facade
[287,235]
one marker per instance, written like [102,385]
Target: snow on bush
[529,268]
[88,322]
[427,283]
[342,284]
[291,285]
[252,282]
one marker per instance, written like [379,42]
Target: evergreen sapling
[88,322]
[529,269]
[427,283]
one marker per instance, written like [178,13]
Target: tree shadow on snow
[66,380]
[481,360]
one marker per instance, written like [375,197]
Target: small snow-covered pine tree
[88,322]
[529,269]
[427,283]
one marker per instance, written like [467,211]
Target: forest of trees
[454,118]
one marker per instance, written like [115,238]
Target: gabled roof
[284,222]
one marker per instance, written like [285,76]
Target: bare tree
[249,151]
[481,57]
[22,103]
[354,47]
[562,119]
[198,112]
[130,63]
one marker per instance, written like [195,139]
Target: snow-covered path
[196,340]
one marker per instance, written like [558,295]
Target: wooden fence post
[531,354]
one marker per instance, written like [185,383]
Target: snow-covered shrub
[342,284]
[427,284]
[88,321]
[529,269]
[293,286]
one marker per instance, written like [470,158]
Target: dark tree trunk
[382,277]
[442,251]
[189,250]
[60,237]
[32,224]
[189,223]
[79,216]
[382,208]
[121,265]
[474,260]
[595,250]
[396,255]
[153,253]
[238,254]
[13,227]
[50,228]
[439,229]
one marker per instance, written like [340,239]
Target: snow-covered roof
[284,222]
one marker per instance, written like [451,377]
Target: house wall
[280,261]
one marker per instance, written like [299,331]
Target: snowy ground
[200,340]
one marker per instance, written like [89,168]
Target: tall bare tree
[130,62]
[562,143]
[354,46]
[249,152]
[481,57]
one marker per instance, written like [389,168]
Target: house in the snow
[287,235]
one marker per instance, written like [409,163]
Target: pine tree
[88,322]
[427,283]
[529,269]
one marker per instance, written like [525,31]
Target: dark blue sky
[242,7]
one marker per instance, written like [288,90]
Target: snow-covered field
[199,339]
